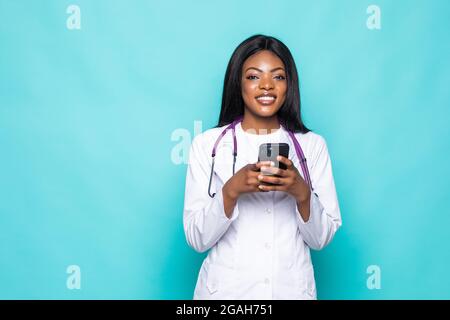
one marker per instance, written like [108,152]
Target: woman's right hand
[245,180]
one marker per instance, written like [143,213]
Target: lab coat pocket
[221,281]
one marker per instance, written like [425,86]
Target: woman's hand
[245,180]
[288,180]
[250,179]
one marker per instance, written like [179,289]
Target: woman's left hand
[288,180]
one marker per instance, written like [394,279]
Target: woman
[259,228]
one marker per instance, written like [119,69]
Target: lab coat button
[267,245]
[212,287]
[267,281]
[268,210]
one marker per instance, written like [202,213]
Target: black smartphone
[270,151]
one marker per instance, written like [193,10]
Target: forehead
[261,59]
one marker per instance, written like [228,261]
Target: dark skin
[264,74]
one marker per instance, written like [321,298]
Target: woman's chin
[266,111]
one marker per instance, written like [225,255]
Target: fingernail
[260,177]
[278,158]
[261,187]
[263,168]
[273,163]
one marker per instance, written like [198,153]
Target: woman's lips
[266,100]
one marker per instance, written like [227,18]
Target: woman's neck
[259,125]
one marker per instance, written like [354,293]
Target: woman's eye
[251,77]
[280,77]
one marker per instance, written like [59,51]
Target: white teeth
[266,98]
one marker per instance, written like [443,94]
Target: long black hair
[289,114]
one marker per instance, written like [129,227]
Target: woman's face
[263,83]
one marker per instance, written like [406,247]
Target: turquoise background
[86,119]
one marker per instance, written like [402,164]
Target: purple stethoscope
[232,126]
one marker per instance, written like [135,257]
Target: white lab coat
[262,251]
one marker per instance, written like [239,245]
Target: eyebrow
[274,69]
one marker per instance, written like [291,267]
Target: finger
[273,170]
[273,180]
[253,184]
[271,188]
[285,160]
[253,174]
[256,166]
[264,163]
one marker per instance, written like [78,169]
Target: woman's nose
[266,83]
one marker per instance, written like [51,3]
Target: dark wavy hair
[289,114]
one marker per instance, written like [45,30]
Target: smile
[266,99]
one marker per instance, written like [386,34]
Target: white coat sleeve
[325,216]
[204,217]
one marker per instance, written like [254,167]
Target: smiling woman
[263,84]
[259,228]
[262,65]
